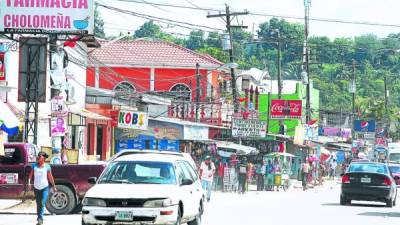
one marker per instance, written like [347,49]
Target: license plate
[124,216]
[365,180]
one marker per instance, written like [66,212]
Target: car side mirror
[92,180]
[186,182]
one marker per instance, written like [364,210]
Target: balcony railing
[209,113]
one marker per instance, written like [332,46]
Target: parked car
[149,188]
[395,170]
[368,181]
[71,180]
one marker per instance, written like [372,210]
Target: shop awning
[8,120]
[88,114]
[239,149]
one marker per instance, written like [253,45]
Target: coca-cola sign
[286,109]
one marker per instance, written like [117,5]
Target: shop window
[124,89]
[181,92]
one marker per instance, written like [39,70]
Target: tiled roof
[151,53]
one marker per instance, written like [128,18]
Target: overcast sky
[377,11]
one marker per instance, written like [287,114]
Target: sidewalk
[7,204]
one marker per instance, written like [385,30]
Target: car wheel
[389,203]
[83,223]
[178,219]
[61,202]
[197,220]
[343,200]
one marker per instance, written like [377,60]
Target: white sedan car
[150,188]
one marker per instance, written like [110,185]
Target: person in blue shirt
[41,172]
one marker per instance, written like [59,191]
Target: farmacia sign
[47,16]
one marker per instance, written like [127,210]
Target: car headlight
[159,203]
[94,202]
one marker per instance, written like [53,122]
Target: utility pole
[386,96]
[229,16]
[197,90]
[353,92]
[354,89]
[279,67]
[307,4]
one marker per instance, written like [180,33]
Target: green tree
[195,40]
[148,29]
[98,24]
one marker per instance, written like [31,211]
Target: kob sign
[133,120]
[286,109]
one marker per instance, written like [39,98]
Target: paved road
[318,205]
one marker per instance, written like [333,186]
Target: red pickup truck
[71,180]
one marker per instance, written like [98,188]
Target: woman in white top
[42,175]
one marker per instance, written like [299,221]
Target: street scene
[199,112]
[259,207]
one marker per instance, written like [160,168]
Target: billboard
[32,69]
[47,16]
[286,109]
[364,126]
[249,128]
[133,120]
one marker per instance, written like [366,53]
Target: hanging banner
[364,126]
[133,120]
[249,128]
[286,109]
[2,67]
[58,127]
[47,16]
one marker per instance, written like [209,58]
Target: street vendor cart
[280,177]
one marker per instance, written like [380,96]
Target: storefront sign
[2,67]
[132,120]
[195,133]
[47,16]
[248,128]
[170,133]
[364,126]
[286,109]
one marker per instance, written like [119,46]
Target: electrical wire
[160,19]
[330,20]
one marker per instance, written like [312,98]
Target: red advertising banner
[2,67]
[286,109]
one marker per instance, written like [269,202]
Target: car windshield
[394,157]
[394,169]
[367,168]
[131,172]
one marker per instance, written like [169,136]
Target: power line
[160,19]
[329,20]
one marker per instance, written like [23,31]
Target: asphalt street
[314,206]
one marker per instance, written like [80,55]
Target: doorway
[99,141]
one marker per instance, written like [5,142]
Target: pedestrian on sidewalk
[41,172]
[207,171]
[333,166]
[305,169]
[243,175]
[261,172]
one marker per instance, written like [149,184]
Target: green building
[292,90]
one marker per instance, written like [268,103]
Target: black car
[368,181]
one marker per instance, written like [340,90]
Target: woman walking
[41,172]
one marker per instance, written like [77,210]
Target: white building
[76,75]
